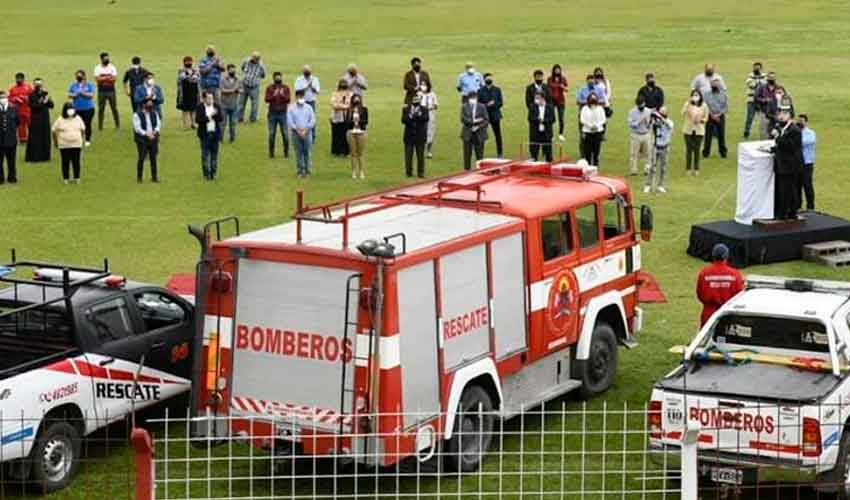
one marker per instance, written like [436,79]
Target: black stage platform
[759,244]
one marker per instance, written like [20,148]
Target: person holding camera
[38,145]
[662,129]
[640,120]
[592,118]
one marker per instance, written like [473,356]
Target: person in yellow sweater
[694,117]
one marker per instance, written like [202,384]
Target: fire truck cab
[366,327]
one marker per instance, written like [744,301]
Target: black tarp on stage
[751,245]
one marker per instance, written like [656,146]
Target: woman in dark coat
[38,145]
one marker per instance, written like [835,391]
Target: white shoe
[561,138]
[66,181]
[353,175]
[662,189]
[647,189]
[88,143]
[429,155]
[696,173]
[362,175]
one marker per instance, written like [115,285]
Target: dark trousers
[468,146]
[409,148]
[278,120]
[7,154]
[785,199]
[102,99]
[87,115]
[692,143]
[715,129]
[70,159]
[496,126]
[807,187]
[559,112]
[592,146]
[748,122]
[147,149]
[209,155]
[133,105]
[534,150]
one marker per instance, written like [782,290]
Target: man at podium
[788,166]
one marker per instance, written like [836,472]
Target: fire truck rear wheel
[598,371]
[55,456]
[473,430]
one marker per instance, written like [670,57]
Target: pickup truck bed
[761,381]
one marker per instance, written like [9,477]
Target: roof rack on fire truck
[487,171]
[46,275]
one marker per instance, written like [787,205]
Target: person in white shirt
[429,100]
[146,127]
[105,74]
[592,126]
[210,119]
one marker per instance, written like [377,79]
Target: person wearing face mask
[105,74]
[310,85]
[662,128]
[788,166]
[355,80]
[356,121]
[82,94]
[188,91]
[211,68]
[491,96]
[718,105]
[754,80]
[147,125]
[781,101]
[277,99]
[605,93]
[702,81]
[766,105]
[592,118]
[210,120]
[541,116]
[414,79]
[558,87]
[253,72]
[640,128]
[414,116]
[151,90]
[301,121]
[134,77]
[68,135]
[40,103]
[340,102]
[809,141]
[536,86]
[19,97]
[8,139]
[694,117]
[582,95]
[474,120]
[652,93]
[430,102]
[231,88]
[468,82]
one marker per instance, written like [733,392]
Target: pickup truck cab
[81,348]
[766,382]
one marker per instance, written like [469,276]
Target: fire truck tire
[598,371]
[55,456]
[473,430]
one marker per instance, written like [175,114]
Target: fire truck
[410,320]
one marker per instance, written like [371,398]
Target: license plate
[727,475]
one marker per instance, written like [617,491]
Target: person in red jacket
[19,95]
[718,282]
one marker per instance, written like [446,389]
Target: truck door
[618,245]
[167,330]
[560,300]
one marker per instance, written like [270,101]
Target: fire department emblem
[562,310]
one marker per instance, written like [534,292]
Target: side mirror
[645,223]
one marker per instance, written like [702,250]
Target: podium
[756,182]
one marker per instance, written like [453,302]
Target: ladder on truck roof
[354,207]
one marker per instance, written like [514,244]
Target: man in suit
[788,165]
[415,80]
[8,138]
[210,119]
[474,119]
[491,96]
[541,116]
[414,116]
[535,87]
[147,125]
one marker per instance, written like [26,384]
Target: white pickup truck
[766,383]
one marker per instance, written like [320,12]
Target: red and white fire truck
[372,323]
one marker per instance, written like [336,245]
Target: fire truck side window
[588,225]
[616,222]
[556,234]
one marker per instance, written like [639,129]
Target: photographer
[662,129]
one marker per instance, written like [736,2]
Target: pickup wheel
[55,456]
[598,371]
[473,430]
[840,475]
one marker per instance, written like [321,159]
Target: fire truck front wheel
[473,430]
[55,456]
[598,371]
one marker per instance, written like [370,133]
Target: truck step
[835,260]
[813,251]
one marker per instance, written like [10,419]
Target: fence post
[143,446]
[690,445]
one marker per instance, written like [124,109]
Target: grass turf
[141,228]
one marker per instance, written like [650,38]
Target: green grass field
[142,228]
